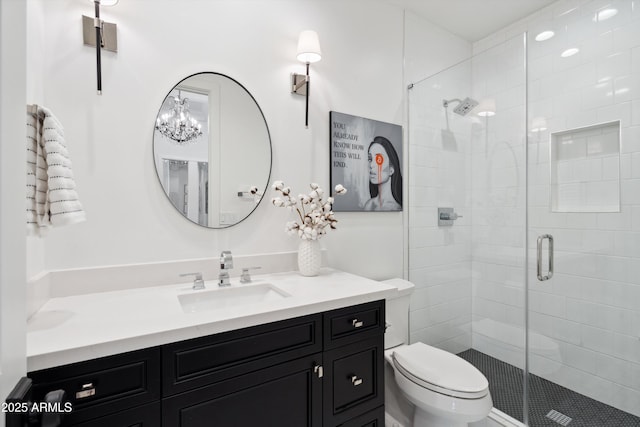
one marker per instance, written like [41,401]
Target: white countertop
[82,327]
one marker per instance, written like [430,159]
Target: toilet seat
[440,371]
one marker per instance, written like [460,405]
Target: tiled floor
[505,384]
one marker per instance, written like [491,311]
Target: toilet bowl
[446,390]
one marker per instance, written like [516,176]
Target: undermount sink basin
[233,296]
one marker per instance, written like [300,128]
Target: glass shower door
[467,141]
[583,215]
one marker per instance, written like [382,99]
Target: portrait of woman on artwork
[385,177]
[366,157]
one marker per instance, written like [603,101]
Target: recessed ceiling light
[545,35]
[605,14]
[570,52]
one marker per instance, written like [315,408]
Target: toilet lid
[440,371]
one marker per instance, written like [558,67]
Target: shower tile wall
[440,257]
[585,322]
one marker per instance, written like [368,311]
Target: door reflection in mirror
[232,155]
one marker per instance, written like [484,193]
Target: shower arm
[445,102]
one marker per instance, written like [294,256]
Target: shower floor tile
[505,384]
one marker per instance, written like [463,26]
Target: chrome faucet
[226,263]
[198,283]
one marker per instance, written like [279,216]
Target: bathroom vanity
[321,368]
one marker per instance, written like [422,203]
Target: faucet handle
[226,260]
[245,277]
[198,283]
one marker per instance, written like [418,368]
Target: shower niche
[585,169]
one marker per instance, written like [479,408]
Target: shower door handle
[550,272]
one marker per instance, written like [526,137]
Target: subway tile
[635,165]
[615,220]
[626,347]
[616,111]
[626,37]
[631,191]
[611,168]
[614,369]
[635,214]
[595,47]
[614,65]
[597,95]
[635,59]
[627,244]
[597,339]
[626,88]
[635,109]
[625,166]
[579,357]
[540,67]
[577,119]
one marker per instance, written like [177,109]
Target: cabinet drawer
[355,380]
[102,386]
[202,361]
[345,325]
[373,418]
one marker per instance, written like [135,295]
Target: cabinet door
[143,416]
[289,394]
[354,380]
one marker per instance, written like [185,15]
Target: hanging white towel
[52,199]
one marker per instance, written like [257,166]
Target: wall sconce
[102,35]
[308,52]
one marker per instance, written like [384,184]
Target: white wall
[590,310]
[12,194]
[162,41]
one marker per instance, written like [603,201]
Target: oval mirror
[212,150]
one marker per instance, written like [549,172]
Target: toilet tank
[397,313]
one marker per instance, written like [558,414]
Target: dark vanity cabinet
[323,369]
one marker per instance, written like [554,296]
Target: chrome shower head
[464,107]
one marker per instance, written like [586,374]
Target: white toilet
[446,390]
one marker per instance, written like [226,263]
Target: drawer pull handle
[88,390]
[355,380]
[357,323]
[318,370]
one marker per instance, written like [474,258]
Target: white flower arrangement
[314,213]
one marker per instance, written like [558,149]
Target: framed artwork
[366,158]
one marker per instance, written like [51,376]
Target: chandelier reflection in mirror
[177,124]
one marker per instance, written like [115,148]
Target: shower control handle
[449,216]
[446,216]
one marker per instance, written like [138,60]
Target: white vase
[309,257]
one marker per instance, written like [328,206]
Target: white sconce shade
[487,108]
[309,47]
[308,52]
